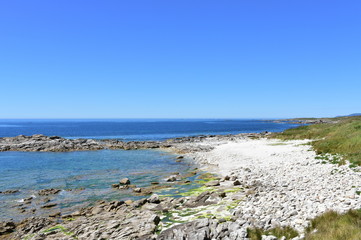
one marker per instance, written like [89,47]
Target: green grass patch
[343,137]
[197,191]
[334,226]
[61,228]
[233,190]
[256,233]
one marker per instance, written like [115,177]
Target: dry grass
[343,137]
[256,233]
[334,226]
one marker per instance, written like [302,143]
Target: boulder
[154,199]
[212,183]
[124,181]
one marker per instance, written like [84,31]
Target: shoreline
[42,143]
[260,183]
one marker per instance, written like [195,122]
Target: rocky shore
[256,183]
[41,143]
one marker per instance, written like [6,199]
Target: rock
[264,237]
[55,214]
[139,203]
[154,199]
[180,157]
[155,219]
[137,190]
[49,205]
[128,202]
[236,183]
[115,185]
[10,191]
[233,178]
[212,183]
[97,209]
[222,194]
[51,191]
[124,181]
[7,227]
[123,187]
[154,183]
[171,178]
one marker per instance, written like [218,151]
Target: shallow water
[84,176]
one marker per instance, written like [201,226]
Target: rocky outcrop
[36,143]
[41,143]
[204,229]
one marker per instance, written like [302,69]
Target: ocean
[86,177]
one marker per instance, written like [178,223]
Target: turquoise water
[85,177]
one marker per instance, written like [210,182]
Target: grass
[256,233]
[334,226]
[61,229]
[343,137]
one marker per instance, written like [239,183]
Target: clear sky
[179,58]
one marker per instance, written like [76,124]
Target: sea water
[86,176]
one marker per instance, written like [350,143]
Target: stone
[171,178]
[154,199]
[137,190]
[236,183]
[10,191]
[155,219]
[55,214]
[128,202]
[46,192]
[212,183]
[7,227]
[49,205]
[124,181]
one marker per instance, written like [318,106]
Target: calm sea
[86,177]
[136,129]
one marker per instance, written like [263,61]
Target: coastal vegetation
[279,232]
[335,226]
[340,137]
[334,142]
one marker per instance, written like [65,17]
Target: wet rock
[46,192]
[55,214]
[123,187]
[128,202]
[171,178]
[9,191]
[49,205]
[7,227]
[115,185]
[124,181]
[137,190]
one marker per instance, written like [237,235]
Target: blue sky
[179,59]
